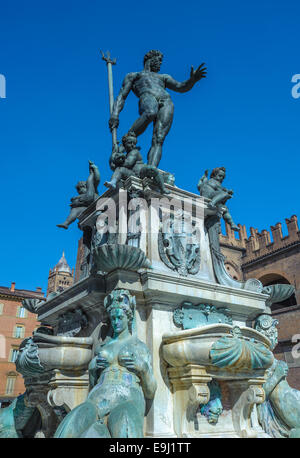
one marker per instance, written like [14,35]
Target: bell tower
[60,277]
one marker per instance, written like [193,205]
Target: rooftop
[22,293]
[62,265]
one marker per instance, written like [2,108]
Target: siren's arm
[148,381]
[93,373]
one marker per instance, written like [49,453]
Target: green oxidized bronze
[279,415]
[18,420]
[213,409]
[190,316]
[121,377]
[108,257]
[28,361]
[236,352]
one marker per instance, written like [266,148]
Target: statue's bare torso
[149,83]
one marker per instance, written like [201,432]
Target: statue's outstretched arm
[185,86]
[93,180]
[96,177]
[202,180]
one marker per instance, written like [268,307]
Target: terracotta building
[272,258]
[16,323]
[79,260]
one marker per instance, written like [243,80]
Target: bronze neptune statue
[155,104]
[121,377]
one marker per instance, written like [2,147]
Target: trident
[109,64]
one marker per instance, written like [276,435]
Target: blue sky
[54,117]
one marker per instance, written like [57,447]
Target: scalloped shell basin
[215,347]
[64,353]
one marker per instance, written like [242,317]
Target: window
[21,312]
[1,308]
[19,331]
[13,355]
[10,384]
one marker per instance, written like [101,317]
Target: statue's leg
[74,213]
[119,174]
[126,420]
[90,188]
[93,179]
[78,421]
[220,198]
[161,129]
[148,109]
[7,422]
[153,173]
[228,218]
[96,430]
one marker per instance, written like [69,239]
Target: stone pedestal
[67,391]
[175,267]
[190,389]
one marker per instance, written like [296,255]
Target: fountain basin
[225,350]
[64,353]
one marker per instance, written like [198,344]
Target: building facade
[16,323]
[271,258]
